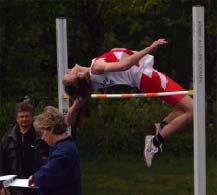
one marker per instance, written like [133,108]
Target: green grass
[167,176]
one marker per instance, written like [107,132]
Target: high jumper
[121,66]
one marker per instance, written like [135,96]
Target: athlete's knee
[186,105]
[190,117]
[189,112]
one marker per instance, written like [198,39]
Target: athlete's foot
[150,150]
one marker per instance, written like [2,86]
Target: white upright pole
[62,62]
[199,101]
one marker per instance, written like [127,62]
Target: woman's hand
[3,191]
[79,102]
[31,183]
[74,109]
[157,43]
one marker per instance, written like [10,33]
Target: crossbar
[138,95]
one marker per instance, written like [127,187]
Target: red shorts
[153,84]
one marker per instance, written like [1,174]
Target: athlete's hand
[79,102]
[158,43]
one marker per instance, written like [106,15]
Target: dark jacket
[61,174]
[22,155]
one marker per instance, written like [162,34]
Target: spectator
[21,150]
[61,174]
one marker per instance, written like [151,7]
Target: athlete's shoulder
[122,50]
[119,49]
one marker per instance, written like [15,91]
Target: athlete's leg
[182,104]
[182,115]
[175,113]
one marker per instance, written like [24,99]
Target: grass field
[167,176]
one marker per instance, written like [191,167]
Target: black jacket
[21,154]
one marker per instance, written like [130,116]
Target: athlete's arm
[101,65]
[73,110]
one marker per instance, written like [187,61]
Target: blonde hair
[50,118]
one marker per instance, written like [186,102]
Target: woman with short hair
[61,174]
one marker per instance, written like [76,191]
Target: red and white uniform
[142,75]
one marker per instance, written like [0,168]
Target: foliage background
[113,127]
